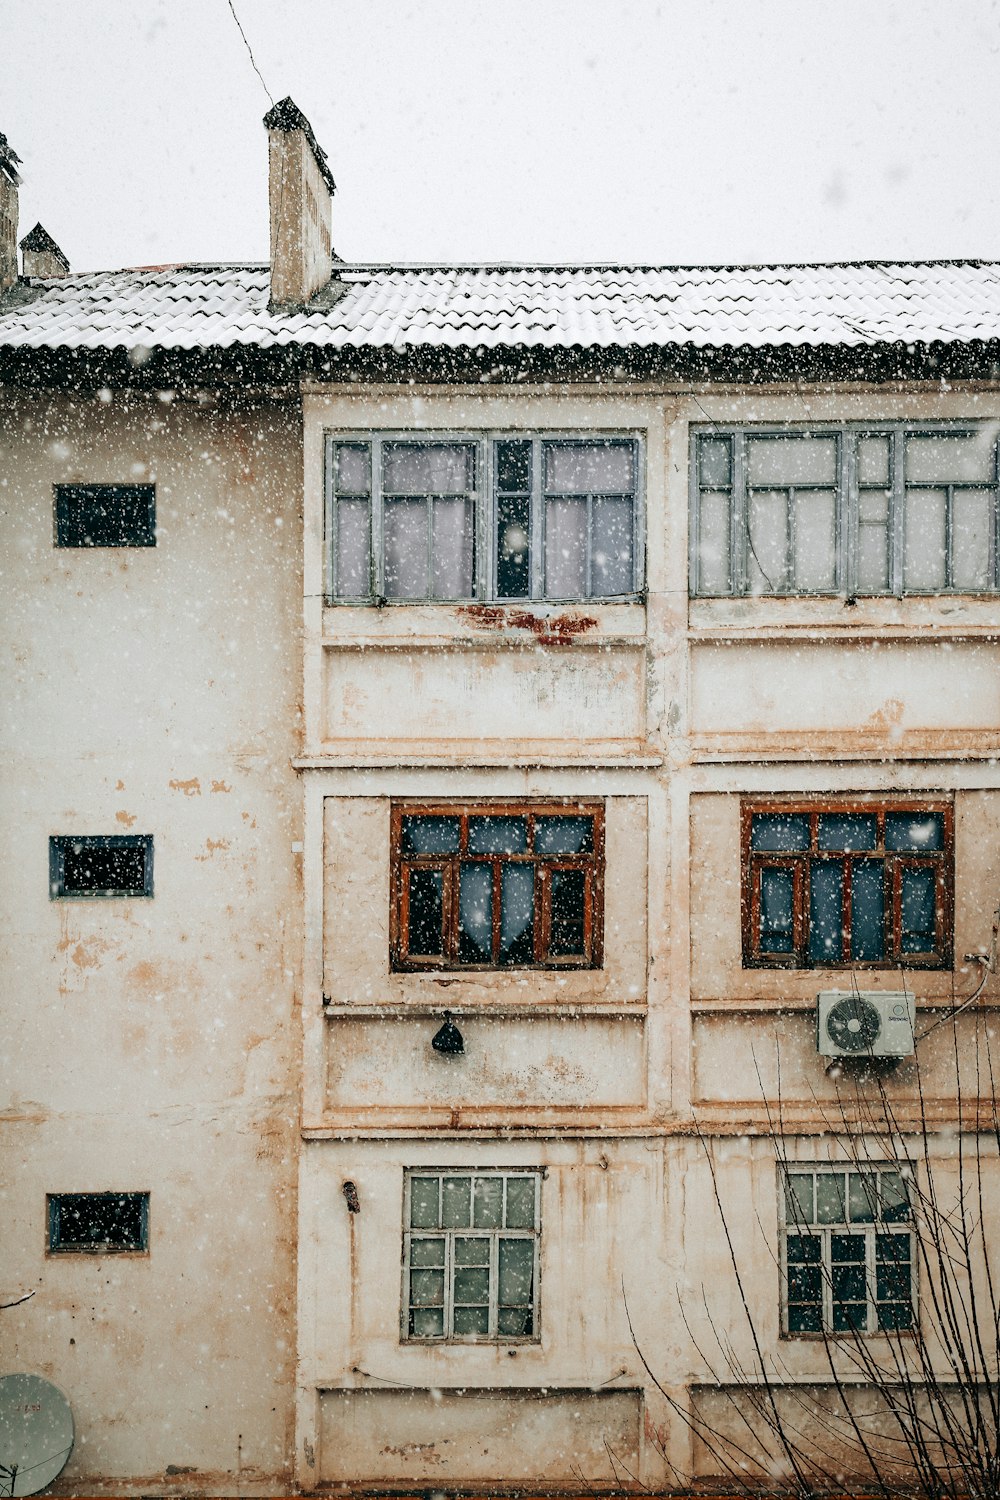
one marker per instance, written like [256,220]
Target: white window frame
[824,1233]
[449,1235]
[847,488]
[484,498]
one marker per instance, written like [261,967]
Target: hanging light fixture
[448,1040]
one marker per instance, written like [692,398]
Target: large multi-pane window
[470,1255]
[847,1249]
[499,885]
[483,517]
[889,508]
[844,884]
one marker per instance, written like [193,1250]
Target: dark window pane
[826,911]
[918,910]
[427,1323]
[498,835]
[426,1288]
[516,1273]
[776,913]
[892,1283]
[514,465]
[472,1286]
[101,866]
[895,1198]
[848,831]
[430,835]
[914,832]
[805,1318]
[425,936]
[424,1253]
[862,1197]
[487,1204]
[520,1203]
[867,910]
[456,1202]
[799,1198]
[471,1322]
[475,914]
[513,546]
[804,1249]
[566,928]
[517,914]
[472,1250]
[105,515]
[805,1283]
[779,832]
[847,1247]
[92,1221]
[515,1322]
[830,1205]
[895,1315]
[850,1317]
[424,1202]
[564,835]
[892,1248]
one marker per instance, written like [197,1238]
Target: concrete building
[458,721]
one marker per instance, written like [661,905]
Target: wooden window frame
[493,1236]
[803,861]
[592,863]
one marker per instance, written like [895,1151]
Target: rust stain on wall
[190,788]
[125,818]
[220,786]
[212,846]
[548,630]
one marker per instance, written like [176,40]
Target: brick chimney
[9,183]
[300,188]
[41,256]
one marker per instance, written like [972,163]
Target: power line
[246,44]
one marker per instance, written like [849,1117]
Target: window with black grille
[105,865]
[98,1223]
[105,515]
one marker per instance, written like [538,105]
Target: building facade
[487,743]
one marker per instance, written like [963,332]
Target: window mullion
[449,1284]
[949,536]
[377,562]
[329,539]
[493,1320]
[848,523]
[536,580]
[485,528]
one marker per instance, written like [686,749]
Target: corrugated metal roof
[469,307]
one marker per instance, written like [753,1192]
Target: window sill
[801,617]
[466,1009]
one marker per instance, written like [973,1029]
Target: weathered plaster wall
[150,1044]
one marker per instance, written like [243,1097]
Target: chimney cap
[9,160]
[286,115]
[41,242]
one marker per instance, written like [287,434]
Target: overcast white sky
[685,131]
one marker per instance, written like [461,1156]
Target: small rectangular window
[848,1263]
[98,1223]
[497,886]
[100,865]
[842,884]
[105,515]
[470,1255]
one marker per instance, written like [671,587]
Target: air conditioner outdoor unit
[864,1023]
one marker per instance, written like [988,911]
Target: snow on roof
[544,307]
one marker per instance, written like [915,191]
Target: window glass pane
[612,570]
[949,458]
[517,914]
[515,1322]
[918,910]
[895,1315]
[498,835]
[567,937]
[513,546]
[779,833]
[566,549]
[830,1207]
[914,832]
[862,1197]
[971,516]
[589,468]
[352,468]
[564,835]
[424,1202]
[924,540]
[353,552]
[893,1250]
[454,553]
[514,465]
[426,1288]
[715,460]
[472,1285]
[516,1272]
[103,866]
[826,908]
[456,1202]
[895,1198]
[472,1322]
[873,542]
[424,937]
[105,515]
[113,1219]
[792,460]
[427,468]
[404,546]
[714,543]
[520,1203]
[487,1203]
[873,460]
[472,1251]
[424,1253]
[867,910]
[767,541]
[430,835]
[427,1323]
[892,1282]
[475,913]
[799,1198]
[776,915]
[848,831]
[814,520]
[804,1249]
[805,1317]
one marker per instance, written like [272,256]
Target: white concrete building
[458,721]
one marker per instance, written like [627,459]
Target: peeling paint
[190,788]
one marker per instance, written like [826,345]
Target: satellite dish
[36,1434]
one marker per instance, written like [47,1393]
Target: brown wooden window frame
[802,863]
[449,865]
